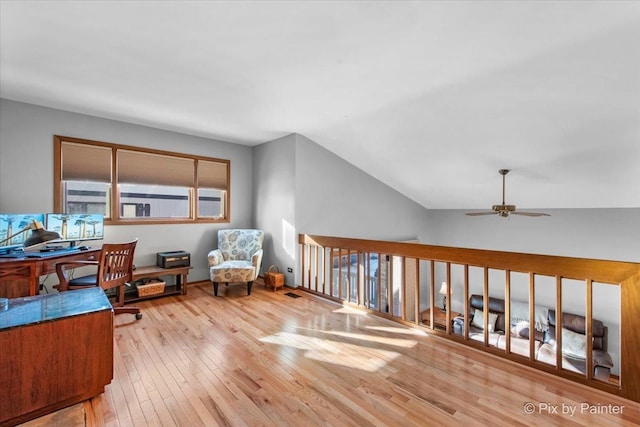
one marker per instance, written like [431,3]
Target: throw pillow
[478,320]
[574,344]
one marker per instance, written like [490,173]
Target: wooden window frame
[116,218]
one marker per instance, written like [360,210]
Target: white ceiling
[430,97]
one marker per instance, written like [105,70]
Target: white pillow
[574,344]
[478,320]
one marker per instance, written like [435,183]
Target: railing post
[532,317]
[589,329]
[507,310]
[485,304]
[559,322]
[630,338]
[432,293]
[302,249]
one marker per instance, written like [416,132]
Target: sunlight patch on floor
[395,330]
[335,352]
[349,310]
[373,338]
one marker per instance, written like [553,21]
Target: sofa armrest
[215,257]
[458,325]
[601,358]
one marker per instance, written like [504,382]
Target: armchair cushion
[233,271]
[239,244]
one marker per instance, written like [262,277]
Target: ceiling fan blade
[481,213]
[529,213]
[505,210]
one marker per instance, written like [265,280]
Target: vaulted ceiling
[431,98]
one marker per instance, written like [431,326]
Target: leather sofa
[544,345]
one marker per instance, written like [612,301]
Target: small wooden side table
[439,318]
[155,272]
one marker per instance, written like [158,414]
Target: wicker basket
[150,288]
[273,278]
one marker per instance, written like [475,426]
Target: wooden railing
[404,275]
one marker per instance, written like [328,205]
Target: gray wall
[335,198]
[26,174]
[274,200]
[300,187]
[585,233]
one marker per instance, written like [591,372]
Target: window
[212,188]
[129,184]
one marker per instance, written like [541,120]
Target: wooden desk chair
[115,270]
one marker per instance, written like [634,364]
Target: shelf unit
[154,272]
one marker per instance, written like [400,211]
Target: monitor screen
[14,229]
[75,228]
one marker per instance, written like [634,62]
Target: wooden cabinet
[57,350]
[439,318]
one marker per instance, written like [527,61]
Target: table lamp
[443,291]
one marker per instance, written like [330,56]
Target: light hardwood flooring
[272,360]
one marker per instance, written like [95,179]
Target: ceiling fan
[505,210]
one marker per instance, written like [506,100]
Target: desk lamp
[38,234]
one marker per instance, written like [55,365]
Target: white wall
[26,174]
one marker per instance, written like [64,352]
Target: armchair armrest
[63,274]
[256,261]
[215,257]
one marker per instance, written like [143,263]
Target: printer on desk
[173,259]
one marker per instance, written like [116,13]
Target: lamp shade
[443,288]
[40,235]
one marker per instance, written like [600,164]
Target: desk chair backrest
[115,267]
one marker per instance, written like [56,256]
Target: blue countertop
[43,308]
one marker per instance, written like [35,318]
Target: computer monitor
[14,230]
[74,228]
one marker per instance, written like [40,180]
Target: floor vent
[292,295]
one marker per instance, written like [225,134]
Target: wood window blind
[83,162]
[136,167]
[212,174]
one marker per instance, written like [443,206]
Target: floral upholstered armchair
[237,258]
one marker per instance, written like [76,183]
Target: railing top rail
[605,271]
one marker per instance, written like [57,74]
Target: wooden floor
[272,360]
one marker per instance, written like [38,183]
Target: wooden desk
[20,277]
[57,350]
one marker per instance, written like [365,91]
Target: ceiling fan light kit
[503,209]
